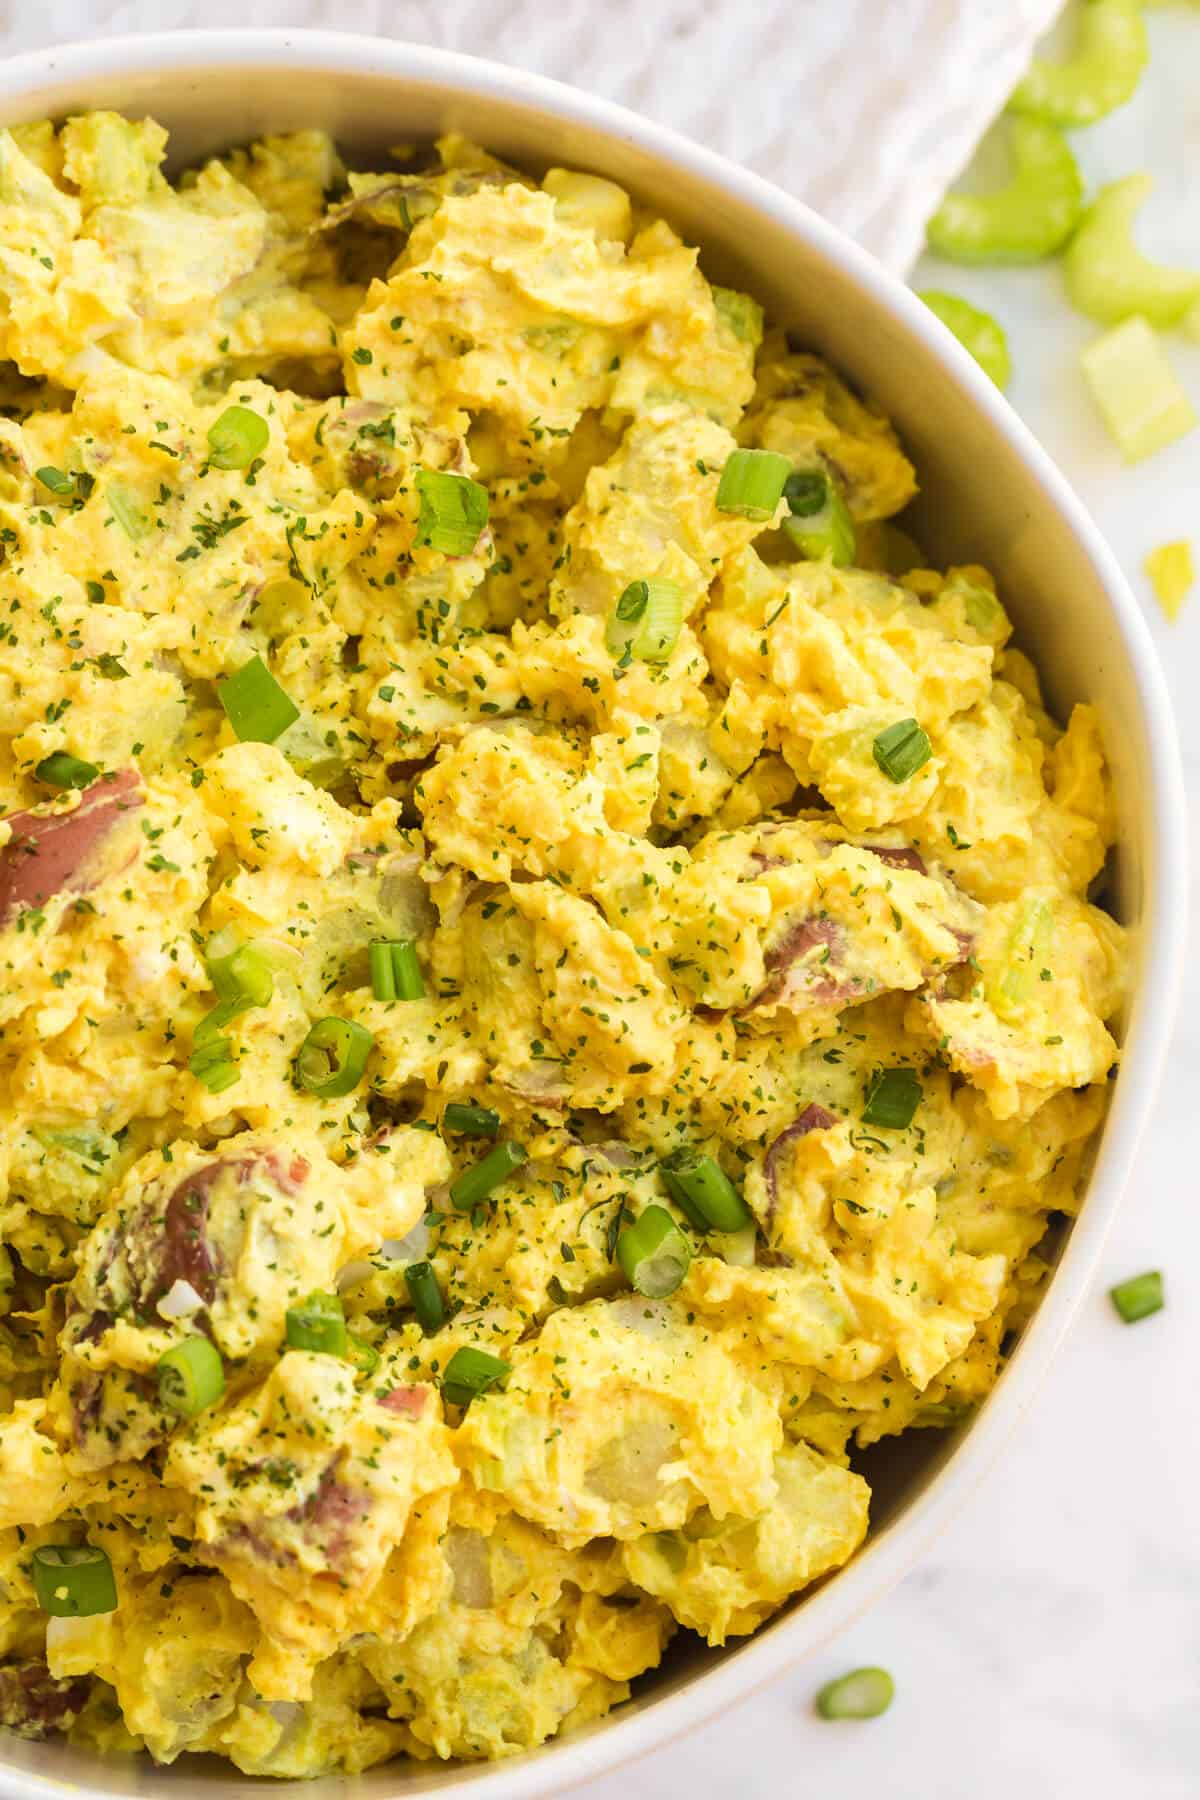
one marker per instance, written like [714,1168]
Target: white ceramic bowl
[989,495]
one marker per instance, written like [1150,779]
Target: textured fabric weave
[865,108]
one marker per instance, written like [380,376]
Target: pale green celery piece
[1107,276]
[1136,389]
[1029,218]
[126,511]
[742,314]
[1102,74]
[1027,954]
[975,330]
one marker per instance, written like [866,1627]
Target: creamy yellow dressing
[658,907]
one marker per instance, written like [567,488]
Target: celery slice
[1026,955]
[1026,220]
[1135,388]
[976,331]
[1102,74]
[1107,276]
[1172,573]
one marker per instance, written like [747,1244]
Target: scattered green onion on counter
[863,1694]
[1138,1297]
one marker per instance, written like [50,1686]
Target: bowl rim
[766,1655]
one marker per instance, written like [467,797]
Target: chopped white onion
[353,1273]
[412,1247]
[180,1301]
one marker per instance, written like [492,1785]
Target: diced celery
[976,331]
[1029,218]
[1172,573]
[1102,74]
[1026,954]
[1107,276]
[1136,389]
[742,314]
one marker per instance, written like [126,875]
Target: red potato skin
[33,1703]
[52,852]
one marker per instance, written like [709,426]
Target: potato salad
[549,993]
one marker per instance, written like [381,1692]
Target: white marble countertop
[1049,1645]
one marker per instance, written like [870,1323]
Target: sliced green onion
[901,750]
[646,621]
[705,1193]
[1102,74]
[892,1099]
[73,1581]
[126,511]
[191,1376]
[1138,1297]
[818,520]
[470,1121]
[57,480]
[395,971]
[1135,387]
[472,1372]
[318,1324]
[62,771]
[241,974]
[751,483]
[333,1056]
[236,438]
[426,1296]
[475,1184]
[654,1253]
[211,1062]
[976,331]
[1030,218]
[256,706]
[363,1355]
[863,1694]
[1107,276]
[454,510]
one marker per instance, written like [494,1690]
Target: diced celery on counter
[1107,276]
[1101,74]
[975,330]
[1137,391]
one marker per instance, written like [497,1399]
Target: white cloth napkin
[867,109]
